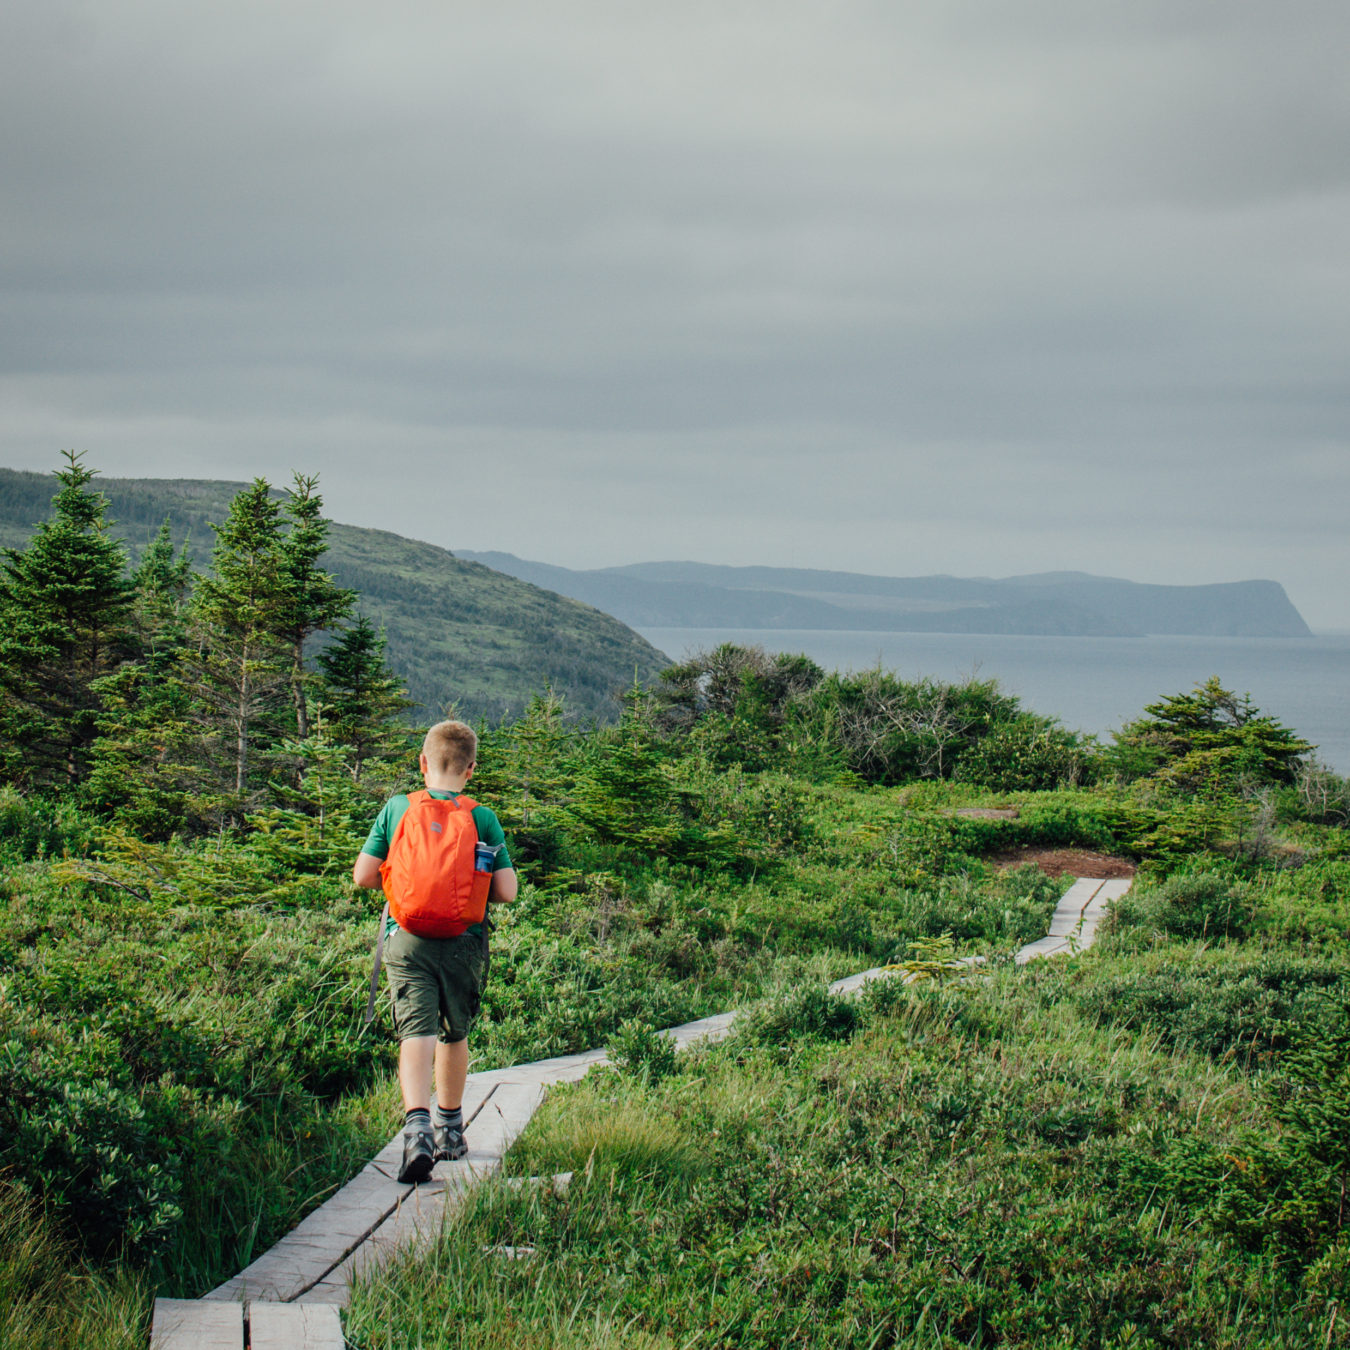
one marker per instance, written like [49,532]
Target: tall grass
[975,1165]
[263,1175]
[49,1300]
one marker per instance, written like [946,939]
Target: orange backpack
[433,887]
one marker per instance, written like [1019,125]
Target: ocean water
[1090,684]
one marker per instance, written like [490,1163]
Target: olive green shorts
[436,984]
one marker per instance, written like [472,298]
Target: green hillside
[458,631]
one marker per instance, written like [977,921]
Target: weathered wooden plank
[851,984]
[705,1029]
[1112,890]
[1068,915]
[324,1238]
[421,1212]
[562,1069]
[1046,946]
[1095,912]
[191,1324]
[294,1326]
[417,1219]
[558,1183]
[332,1291]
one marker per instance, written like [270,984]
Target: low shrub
[1279,1189]
[796,1015]
[80,1136]
[1308,905]
[139,1046]
[1027,754]
[42,827]
[1248,1007]
[638,1048]
[1295,1176]
[1208,904]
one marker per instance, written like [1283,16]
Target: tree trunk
[241,728]
[298,693]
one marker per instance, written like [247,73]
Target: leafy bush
[139,1044]
[924,848]
[797,1015]
[638,1048]
[1308,905]
[1027,754]
[890,730]
[631,800]
[766,814]
[1245,1006]
[42,827]
[1295,1179]
[1279,1189]
[1190,905]
[85,1140]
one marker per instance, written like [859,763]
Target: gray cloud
[919,286]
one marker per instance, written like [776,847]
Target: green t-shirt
[382,835]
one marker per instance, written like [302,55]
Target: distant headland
[1060,604]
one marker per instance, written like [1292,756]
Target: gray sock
[417,1119]
[454,1119]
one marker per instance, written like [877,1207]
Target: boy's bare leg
[452,1068]
[415,1056]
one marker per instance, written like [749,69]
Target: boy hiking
[439,857]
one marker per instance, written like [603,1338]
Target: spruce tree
[142,766]
[313,601]
[240,663]
[162,581]
[360,697]
[64,624]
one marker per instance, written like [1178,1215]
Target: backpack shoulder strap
[379,957]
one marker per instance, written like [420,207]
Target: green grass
[976,1165]
[169,1065]
[49,1300]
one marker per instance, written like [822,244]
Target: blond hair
[450,747]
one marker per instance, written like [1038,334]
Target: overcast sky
[901,286]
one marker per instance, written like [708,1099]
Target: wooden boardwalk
[289,1297]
